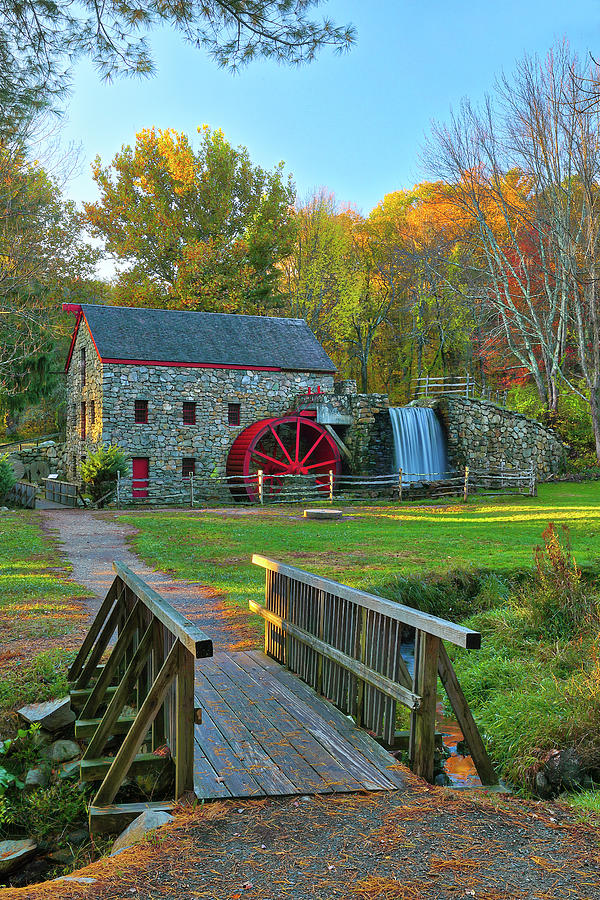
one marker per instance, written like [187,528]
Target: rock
[61,751]
[543,788]
[36,778]
[61,857]
[78,837]
[14,854]
[135,832]
[80,879]
[442,780]
[53,715]
[570,770]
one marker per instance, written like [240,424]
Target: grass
[373,547]
[40,615]
[534,683]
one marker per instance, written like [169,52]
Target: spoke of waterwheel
[297,441]
[324,462]
[280,442]
[313,448]
[271,459]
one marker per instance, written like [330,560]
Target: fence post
[192,490]
[422,738]
[532,482]
[118,490]
[502,464]
[260,485]
[331,485]
[400,485]
[466,491]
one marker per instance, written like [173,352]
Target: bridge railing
[143,694]
[346,644]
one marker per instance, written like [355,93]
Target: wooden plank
[397,691]
[108,629]
[120,697]
[185,709]
[243,743]
[356,763]
[143,763]
[442,628]
[113,818]
[224,759]
[265,721]
[79,698]
[99,690]
[135,736]
[208,785]
[279,680]
[94,631]
[465,719]
[192,637]
[424,726]
[85,728]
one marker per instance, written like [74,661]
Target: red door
[141,469]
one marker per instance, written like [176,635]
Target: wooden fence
[429,386]
[22,494]
[346,644]
[63,492]
[150,671]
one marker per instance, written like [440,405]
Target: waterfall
[419,443]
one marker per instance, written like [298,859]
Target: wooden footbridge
[313,714]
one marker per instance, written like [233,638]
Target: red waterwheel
[290,445]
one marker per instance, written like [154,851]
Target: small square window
[189,413]
[92,412]
[83,420]
[141,412]
[233,413]
[188,466]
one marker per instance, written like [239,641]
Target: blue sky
[351,123]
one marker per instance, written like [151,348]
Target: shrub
[7,476]
[560,602]
[99,471]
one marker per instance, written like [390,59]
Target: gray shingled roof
[177,336]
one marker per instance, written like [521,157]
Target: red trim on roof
[74,308]
[73,339]
[191,365]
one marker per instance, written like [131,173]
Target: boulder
[62,751]
[14,854]
[36,778]
[136,831]
[53,715]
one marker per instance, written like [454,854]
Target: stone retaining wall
[483,435]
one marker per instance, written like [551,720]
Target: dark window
[189,413]
[83,420]
[233,414]
[92,412]
[188,466]
[82,365]
[141,412]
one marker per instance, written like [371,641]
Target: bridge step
[85,728]
[114,818]
[79,696]
[144,763]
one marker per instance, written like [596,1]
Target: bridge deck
[265,732]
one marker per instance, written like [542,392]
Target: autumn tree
[202,229]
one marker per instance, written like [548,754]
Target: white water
[419,443]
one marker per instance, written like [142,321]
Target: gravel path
[91,541]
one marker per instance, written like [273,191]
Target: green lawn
[40,614]
[373,547]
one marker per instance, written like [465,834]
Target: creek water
[460,769]
[419,443]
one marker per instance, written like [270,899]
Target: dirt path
[91,541]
